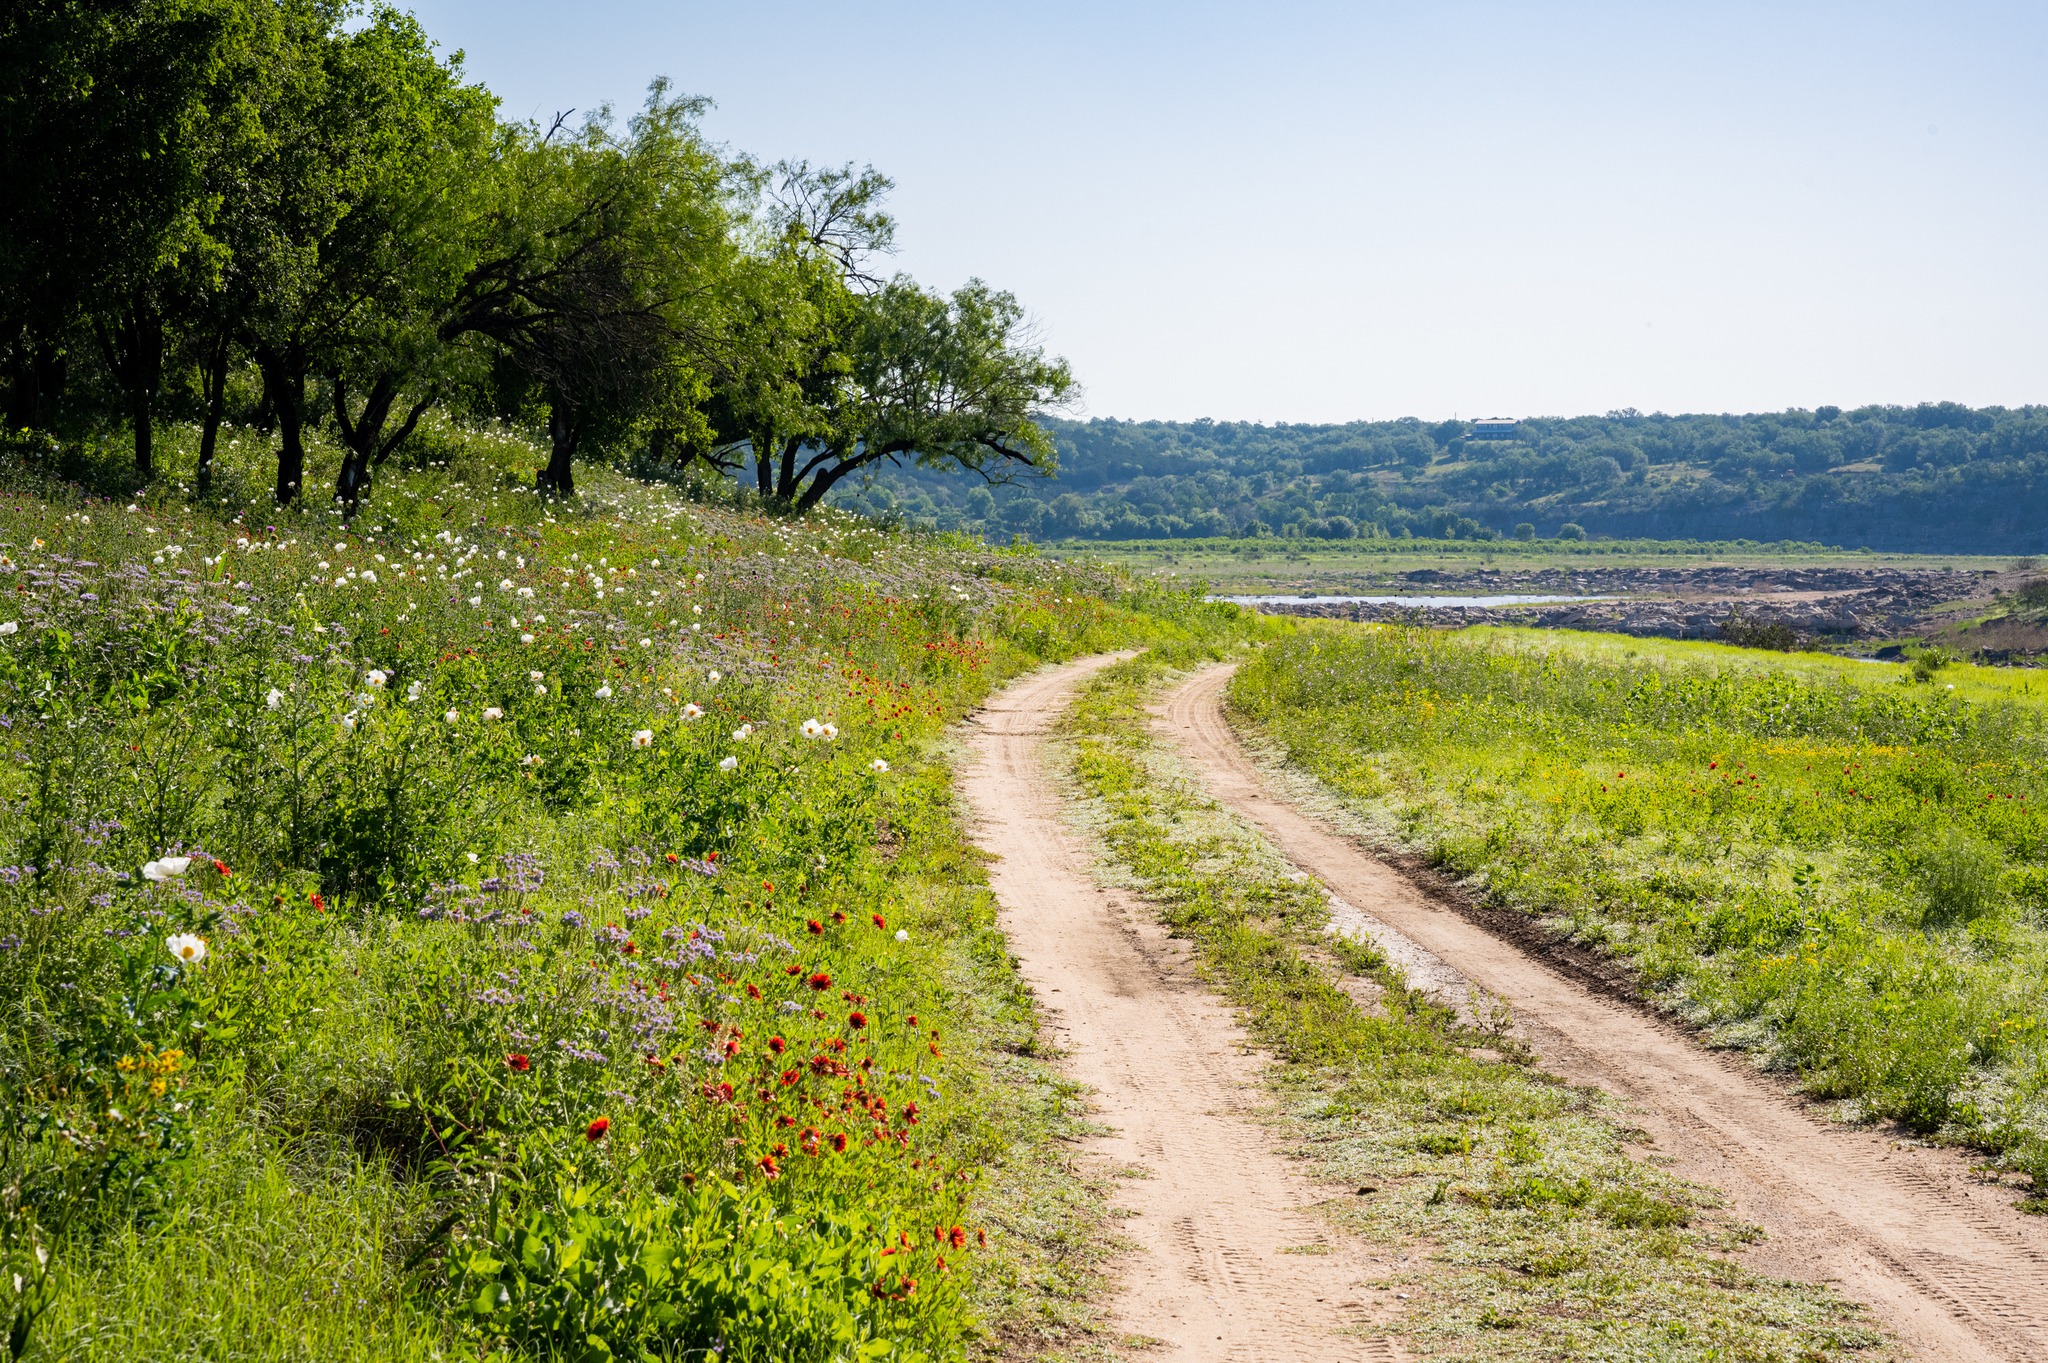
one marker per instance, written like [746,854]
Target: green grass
[1530,1231]
[1249,567]
[1822,860]
[487,883]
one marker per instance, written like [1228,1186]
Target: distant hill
[1939,478]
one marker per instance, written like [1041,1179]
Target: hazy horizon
[1322,213]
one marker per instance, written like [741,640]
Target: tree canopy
[315,195]
[1938,477]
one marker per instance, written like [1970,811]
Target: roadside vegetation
[1841,866]
[1507,1204]
[509,926]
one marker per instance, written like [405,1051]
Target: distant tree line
[1939,477]
[297,213]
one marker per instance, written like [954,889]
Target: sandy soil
[1938,1255]
[1205,1193]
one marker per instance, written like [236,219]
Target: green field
[513,924]
[1833,863]
[1252,567]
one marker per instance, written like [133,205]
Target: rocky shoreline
[1819,604]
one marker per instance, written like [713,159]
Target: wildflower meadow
[502,926]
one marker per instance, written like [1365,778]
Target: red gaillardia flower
[839,1142]
[595,1131]
[958,1237]
[858,1019]
[519,1062]
[776,1044]
[814,925]
[222,867]
[878,920]
[821,981]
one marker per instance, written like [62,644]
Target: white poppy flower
[646,643]
[526,638]
[643,738]
[505,585]
[728,763]
[188,947]
[813,729]
[376,677]
[878,765]
[9,626]
[605,692]
[165,868]
[273,698]
[475,601]
[743,733]
[370,576]
[348,722]
[828,732]
[533,676]
[530,760]
[902,936]
[493,713]
[540,690]
[452,716]
[713,678]
[414,691]
[526,592]
[693,711]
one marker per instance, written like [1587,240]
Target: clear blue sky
[1321,212]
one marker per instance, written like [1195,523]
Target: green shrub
[1960,878]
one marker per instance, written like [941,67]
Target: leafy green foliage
[1938,477]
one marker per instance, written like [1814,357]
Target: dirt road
[1938,1256]
[1212,1205]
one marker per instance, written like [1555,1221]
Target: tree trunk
[764,455]
[139,406]
[785,485]
[364,439]
[359,438]
[134,351]
[214,383]
[284,393]
[826,477]
[563,434]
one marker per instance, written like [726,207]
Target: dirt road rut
[1213,1206]
[1937,1255]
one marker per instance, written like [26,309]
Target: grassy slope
[1536,1235]
[314,1145]
[1803,854]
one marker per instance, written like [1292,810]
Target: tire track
[1940,1259]
[1216,1207]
